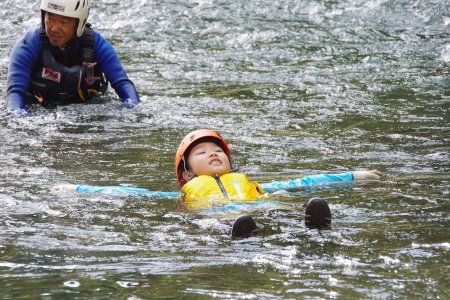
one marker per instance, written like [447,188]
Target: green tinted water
[296,89]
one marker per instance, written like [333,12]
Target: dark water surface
[297,88]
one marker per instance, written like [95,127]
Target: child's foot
[317,214]
[244,226]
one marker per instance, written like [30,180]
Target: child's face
[208,158]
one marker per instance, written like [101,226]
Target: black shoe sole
[317,214]
[243,227]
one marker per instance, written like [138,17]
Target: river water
[296,88]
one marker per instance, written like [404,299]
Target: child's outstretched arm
[116,190]
[320,179]
[362,175]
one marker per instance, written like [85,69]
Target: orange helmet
[189,141]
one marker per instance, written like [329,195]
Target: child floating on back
[206,174]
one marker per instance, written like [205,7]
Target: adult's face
[59,29]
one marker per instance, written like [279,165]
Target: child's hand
[65,188]
[361,175]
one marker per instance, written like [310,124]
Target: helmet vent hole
[78,5]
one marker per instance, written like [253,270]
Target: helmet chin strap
[185,169]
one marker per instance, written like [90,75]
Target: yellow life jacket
[204,191]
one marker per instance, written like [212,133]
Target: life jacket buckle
[81,95]
[90,76]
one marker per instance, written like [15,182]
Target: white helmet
[78,9]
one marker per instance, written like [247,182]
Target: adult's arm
[111,66]
[22,59]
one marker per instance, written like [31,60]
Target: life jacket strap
[87,59]
[88,53]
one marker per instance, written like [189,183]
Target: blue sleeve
[307,181]
[127,191]
[110,65]
[23,58]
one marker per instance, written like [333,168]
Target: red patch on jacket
[51,75]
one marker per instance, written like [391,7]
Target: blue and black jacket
[31,70]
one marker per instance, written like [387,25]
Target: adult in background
[64,61]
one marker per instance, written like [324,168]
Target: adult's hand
[20,112]
[131,103]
